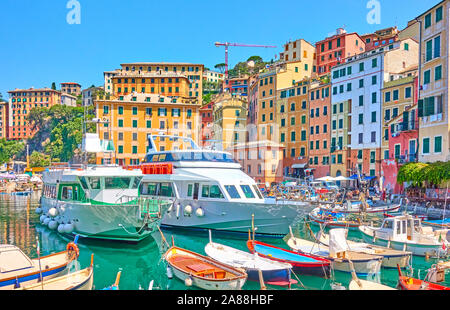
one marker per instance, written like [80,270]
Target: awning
[298,166]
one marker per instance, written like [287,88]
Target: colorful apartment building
[333,50]
[238,86]
[71,88]
[230,120]
[320,131]
[380,38]
[127,120]
[213,76]
[193,72]
[433,104]
[206,131]
[398,95]
[21,101]
[295,51]
[359,82]
[261,160]
[68,100]
[3,120]
[89,94]
[292,124]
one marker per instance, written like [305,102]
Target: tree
[256,59]
[9,150]
[39,160]
[54,86]
[220,67]
[1,97]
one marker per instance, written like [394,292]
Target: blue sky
[38,46]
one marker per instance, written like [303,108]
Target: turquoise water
[141,263]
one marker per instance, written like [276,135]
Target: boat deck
[200,268]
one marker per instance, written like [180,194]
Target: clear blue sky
[38,46]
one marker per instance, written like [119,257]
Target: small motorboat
[408,283]
[331,219]
[443,223]
[273,272]
[204,272]
[339,254]
[391,257]
[308,264]
[406,233]
[357,284]
[17,269]
[78,280]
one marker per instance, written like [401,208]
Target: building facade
[433,105]
[71,88]
[21,101]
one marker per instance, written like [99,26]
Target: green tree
[9,150]
[39,160]
[220,67]
[54,86]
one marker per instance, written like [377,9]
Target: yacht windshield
[232,191]
[247,191]
[211,191]
[117,182]
[257,191]
[190,156]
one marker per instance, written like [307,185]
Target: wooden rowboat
[17,269]
[78,280]
[302,263]
[273,272]
[204,272]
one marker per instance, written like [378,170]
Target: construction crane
[227,44]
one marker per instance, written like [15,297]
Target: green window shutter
[420,107]
[149,124]
[437,144]
[426,145]
[120,122]
[135,123]
[120,149]
[438,73]
[429,50]
[374,62]
[427,20]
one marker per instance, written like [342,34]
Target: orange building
[333,50]
[320,131]
[3,119]
[71,88]
[20,104]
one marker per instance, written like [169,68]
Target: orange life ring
[73,248]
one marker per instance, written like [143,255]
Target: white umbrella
[341,178]
[326,179]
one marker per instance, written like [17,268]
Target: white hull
[270,219]
[365,267]
[416,249]
[118,222]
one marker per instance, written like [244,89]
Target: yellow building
[433,107]
[193,72]
[128,119]
[229,119]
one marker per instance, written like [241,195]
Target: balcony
[404,126]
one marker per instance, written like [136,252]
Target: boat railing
[153,208]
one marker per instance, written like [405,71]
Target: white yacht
[210,191]
[100,202]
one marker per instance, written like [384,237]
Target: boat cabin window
[247,191]
[136,182]
[417,225]
[211,191]
[190,156]
[94,182]
[398,224]
[189,192]
[388,224]
[403,227]
[66,193]
[232,191]
[158,189]
[117,182]
[257,191]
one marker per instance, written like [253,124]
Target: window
[120,122]
[408,92]
[232,191]
[247,191]
[426,146]
[395,95]
[374,79]
[427,77]
[361,100]
[374,97]
[438,73]
[438,144]
[438,14]
[211,191]
[427,20]
[374,62]
[373,137]
[360,119]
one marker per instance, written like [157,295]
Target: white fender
[53,212]
[188,209]
[188,281]
[199,212]
[68,228]
[61,228]
[38,210]
[53,224]
[47,220]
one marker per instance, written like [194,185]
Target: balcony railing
[404,126]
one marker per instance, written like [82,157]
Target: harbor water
[141,263]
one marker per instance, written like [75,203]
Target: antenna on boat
[253,225]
